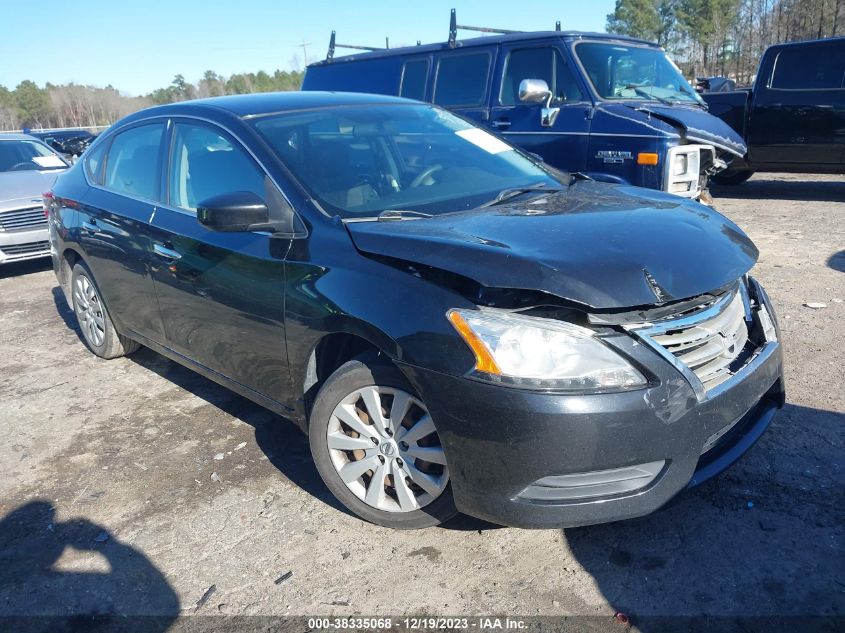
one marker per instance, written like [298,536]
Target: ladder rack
[452,41]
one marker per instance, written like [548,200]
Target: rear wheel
[377,448]
[98,331]
[732,178]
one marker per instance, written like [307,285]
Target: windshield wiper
[643,93]
[401,214]
[506,194]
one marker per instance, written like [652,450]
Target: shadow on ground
[74,575]
[837,261]
[282,441]
[28,267]
[801,190]
[758,548]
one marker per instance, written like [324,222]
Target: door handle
[501,124]
[167,253]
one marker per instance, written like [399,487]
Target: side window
[414,75]
[206,163]
[461,79]
[810,68]
[538,63]
[94,163]
[132,163]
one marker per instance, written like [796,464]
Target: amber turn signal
[647,158]
[483,358]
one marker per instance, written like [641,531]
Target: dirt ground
[134,486]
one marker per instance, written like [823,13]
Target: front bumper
[21,245]
[505,447]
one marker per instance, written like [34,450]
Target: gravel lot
[133,486]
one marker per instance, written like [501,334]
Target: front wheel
[377,449]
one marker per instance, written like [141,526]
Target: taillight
[47,202]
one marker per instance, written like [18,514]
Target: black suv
[457,326]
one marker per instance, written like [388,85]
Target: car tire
[98,332]
[732,178]
[346,438]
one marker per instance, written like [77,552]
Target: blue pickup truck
[612,107]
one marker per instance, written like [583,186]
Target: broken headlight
[540,353]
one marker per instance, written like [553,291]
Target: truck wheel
[732,178]
[98,331]
[377,449]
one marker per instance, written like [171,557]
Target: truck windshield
[358,161]
[634,72]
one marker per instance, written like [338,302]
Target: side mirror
[234,212]
[537,91]
[534,91]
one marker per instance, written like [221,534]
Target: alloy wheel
[89,311]
[383,445]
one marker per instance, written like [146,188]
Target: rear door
[798,115]
[564,144]
[462,82]
[114,220]
[221,295]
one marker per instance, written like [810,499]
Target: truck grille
[710,347]
[23,219]
[23,251]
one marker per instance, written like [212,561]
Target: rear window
[810,68]
[132,163]
[413,80]
[462,79]
[94,163]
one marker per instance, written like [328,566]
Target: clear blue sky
[139,45]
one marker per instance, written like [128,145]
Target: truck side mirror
[537,91]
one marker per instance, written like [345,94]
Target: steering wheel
[20,166]
[424,174]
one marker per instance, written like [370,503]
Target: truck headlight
[541,353]
[683,170]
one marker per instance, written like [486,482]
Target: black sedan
[457,326]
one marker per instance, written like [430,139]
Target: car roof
[799,43]
[17,136]
[249,105]
[487,40]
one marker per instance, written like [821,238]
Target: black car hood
[699,126]
[600,245]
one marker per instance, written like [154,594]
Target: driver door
[564,144]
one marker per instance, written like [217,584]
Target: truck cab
[611,107]
[793,117]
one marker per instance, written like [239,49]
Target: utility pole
[304,46]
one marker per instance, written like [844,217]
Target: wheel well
[330,353]
[69,259]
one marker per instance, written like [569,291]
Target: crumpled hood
[699,126]
[18,185]
[600,245]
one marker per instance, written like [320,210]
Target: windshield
[358,161]
[633,72]
[23,155]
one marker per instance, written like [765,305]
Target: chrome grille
[710,346]
[21,251]
[23,219]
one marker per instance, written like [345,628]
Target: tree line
[75,105]
[725,37]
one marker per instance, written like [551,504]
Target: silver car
[28,168]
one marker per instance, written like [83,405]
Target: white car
[28,168]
